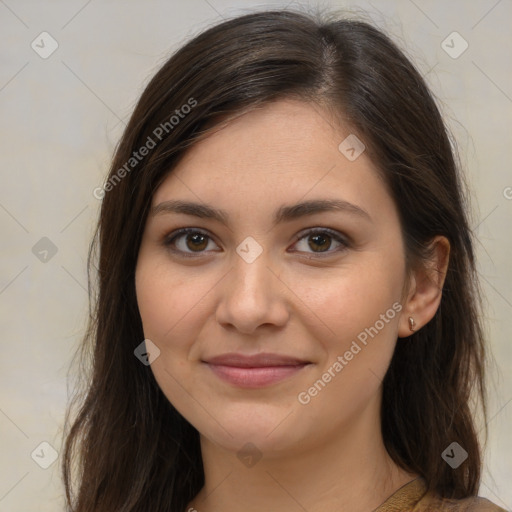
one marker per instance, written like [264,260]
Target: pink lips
[254,371]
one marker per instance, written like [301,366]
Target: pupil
[195,238]
[320,240]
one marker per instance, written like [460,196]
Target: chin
[267,428]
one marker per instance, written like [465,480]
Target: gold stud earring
[411,323]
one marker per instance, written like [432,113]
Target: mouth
[255,371]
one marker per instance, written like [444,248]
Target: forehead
[285,149]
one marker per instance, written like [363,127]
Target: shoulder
[414,497]
[431,503]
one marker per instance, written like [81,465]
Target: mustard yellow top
[413,497]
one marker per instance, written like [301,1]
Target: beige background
[60,119]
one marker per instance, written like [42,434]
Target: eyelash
[170,239]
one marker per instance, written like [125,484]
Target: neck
[348,472]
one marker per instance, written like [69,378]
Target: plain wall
[60,120]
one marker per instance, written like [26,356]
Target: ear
[426,288]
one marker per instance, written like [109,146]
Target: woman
[287,312]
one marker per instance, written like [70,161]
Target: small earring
[411,323]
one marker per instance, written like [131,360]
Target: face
[275,322]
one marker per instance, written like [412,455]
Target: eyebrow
[284,213]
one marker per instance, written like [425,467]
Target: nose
[252,296]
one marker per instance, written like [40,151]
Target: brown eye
[321,241]
[191,241]
[188,241]
[196,241]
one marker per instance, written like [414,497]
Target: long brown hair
[127,448]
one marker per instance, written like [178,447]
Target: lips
[256,370]
[255,361]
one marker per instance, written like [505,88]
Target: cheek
[168,305]
[167,301]
[360,309]
[363,312]
[352,299]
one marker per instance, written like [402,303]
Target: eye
[192,241]
[188,241]
[320,240]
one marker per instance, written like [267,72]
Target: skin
[303,298]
